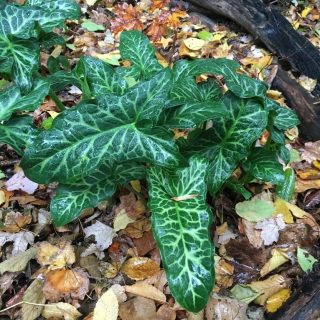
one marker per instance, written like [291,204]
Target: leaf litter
[273,235]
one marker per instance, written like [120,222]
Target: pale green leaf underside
[71,199]
[181,229]
[83,138]
[263,165]
[17,132]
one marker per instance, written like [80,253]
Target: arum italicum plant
[122,130]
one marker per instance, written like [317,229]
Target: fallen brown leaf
[140,268]
[138,308]
[146,291]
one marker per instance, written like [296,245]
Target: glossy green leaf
[181,221]
[22,58]
[264,165]
[18,132]
[237,186]
[102,79]
[71,199]
[285,118]
[120,130]
[239,84]
[230,138]
[285,190]
[254,210]
[136,47]
[11,100]
[192,114]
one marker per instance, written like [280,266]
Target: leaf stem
[56,100]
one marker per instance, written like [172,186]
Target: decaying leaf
[311,151]
[121,221]
[60,310]
[138,308]
[147,291]
[35,295]
[20,182]
[270,229]
[136,229]
[165,312]
[224,273]
[15,221]
[140,268]
[19,262]
[107,307]
[131,206]
[282,208]
[275,301]
[253,235]
[55,256]
[225,233]
[279,257]
[103,236]
[73,283]
[223,308]
[268,287]
[244,293]
[20,240]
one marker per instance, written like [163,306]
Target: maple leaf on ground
[158,4]
[174,19]
[128,18]
[158,27]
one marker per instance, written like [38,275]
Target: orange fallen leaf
[140,268]
[275,301]
[62,283]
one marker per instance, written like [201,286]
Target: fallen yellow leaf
[268,287]
[136,185]
[279,257]
[275,301]
[281,208]
[194,43]
[306,11]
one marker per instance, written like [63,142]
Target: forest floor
[64,271]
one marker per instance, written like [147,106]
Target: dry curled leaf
[147,291]
[131,206]
[35,295]
[107,307]
[136,229]
[279,257]
[138,308]
[20,240]
[224,308]
[62,283]
[165,312]
[60,310]
[15,221]
[140,268]
[224,273]
[56,256]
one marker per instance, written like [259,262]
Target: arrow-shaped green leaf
[181,221]
[121,129]
[17,132]
[71,199]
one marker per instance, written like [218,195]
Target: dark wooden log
[306,107]
[276,33]
[272,29]
[304,304]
